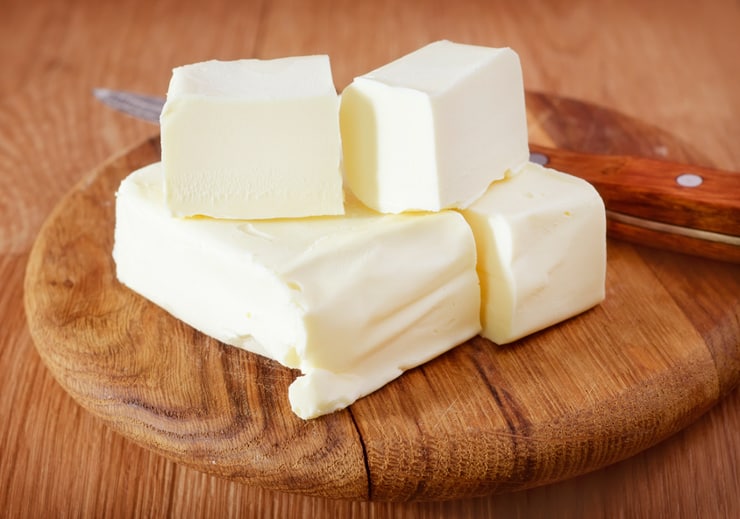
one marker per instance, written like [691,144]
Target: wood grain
[672,63]
[480,419]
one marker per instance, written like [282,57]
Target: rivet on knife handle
[690,209]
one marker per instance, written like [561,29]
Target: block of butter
[541,238]
[253,139]
[434,128]
[352,301]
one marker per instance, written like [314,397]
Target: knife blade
[662,204]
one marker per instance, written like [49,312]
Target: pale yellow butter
[352,301]
[434,128]
[541,238]
[253,139]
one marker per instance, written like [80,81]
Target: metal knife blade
[661,204]
[140,106]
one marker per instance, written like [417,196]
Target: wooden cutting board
[661,349]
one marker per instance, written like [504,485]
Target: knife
[667,205]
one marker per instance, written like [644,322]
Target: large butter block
[253,139]
[434,128]
[541,238]
[352,301]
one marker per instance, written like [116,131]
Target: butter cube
[253,139]
[541,238]
[434,128]
[352,301]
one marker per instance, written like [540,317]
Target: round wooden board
[661,349]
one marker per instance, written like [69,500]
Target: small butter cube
[253,139]
[541,238]
[434,128]
[352,301]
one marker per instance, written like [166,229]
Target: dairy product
[253,139]
[352,301]
[434,128]
[541,251]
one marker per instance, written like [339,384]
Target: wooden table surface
[671,63]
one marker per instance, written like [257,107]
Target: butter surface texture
[253,139]
[352,301]
[434,128]
[541,238]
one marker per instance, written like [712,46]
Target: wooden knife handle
[689,197]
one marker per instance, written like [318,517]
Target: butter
[352,301]
[541,238]
[253,139]
[434,128]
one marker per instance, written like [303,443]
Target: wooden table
[672,64]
